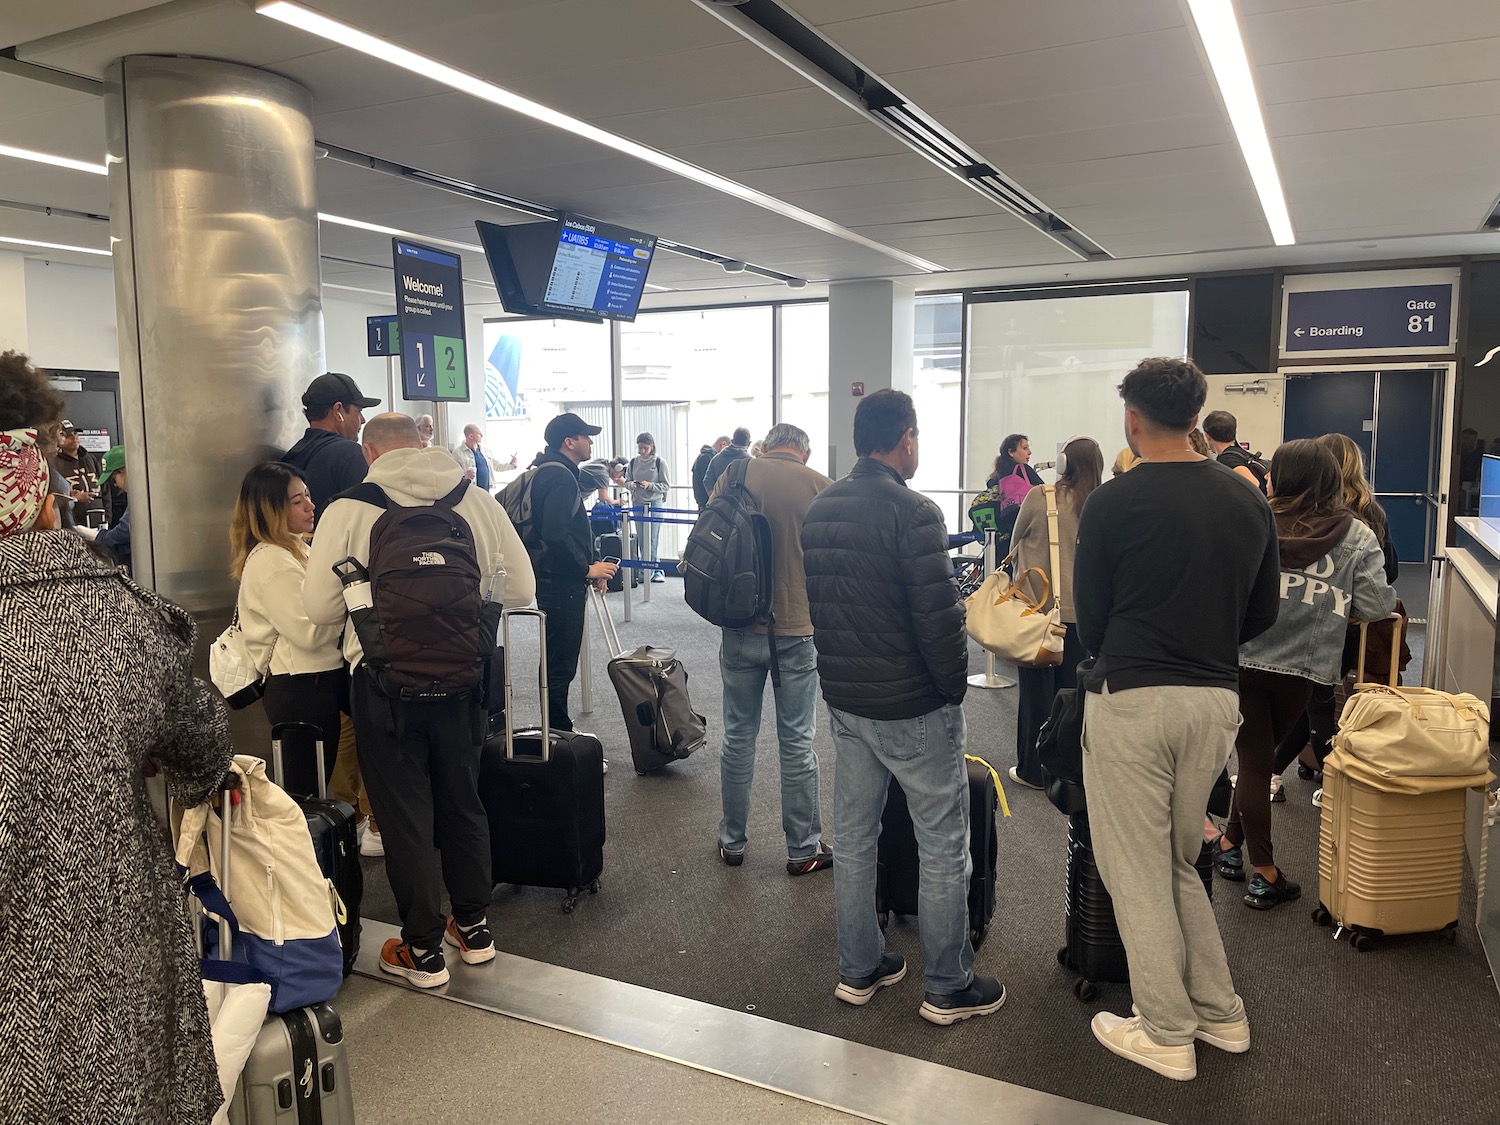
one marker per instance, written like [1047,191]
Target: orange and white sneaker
[474,943]
[427,970]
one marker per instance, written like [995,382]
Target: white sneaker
[1317,798]
[371,844]
[1233,1037]
[1128,1039]
[1019,780]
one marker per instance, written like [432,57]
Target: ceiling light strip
[345,35]
[53,159]
[1219,31]
[33,244]
[360,224]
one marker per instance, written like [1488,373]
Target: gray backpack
[516,499]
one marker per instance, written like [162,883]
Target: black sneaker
[1278,791]
[819,862]
[984,996]
[1307,773]
[733,859]
[1263,895]
[859,990]
[474,943]
[1230,864]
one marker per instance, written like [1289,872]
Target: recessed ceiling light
[56,161]
[54,246]
[1219,31]
[360,224]
[345,35]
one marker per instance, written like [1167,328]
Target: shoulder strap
[1053,535]
[737,470]
[366,493]
[453,498]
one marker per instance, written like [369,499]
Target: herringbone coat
[102,1016]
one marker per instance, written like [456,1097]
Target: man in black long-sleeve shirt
[561,546]
[1176,566]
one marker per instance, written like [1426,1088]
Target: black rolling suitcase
[1093,946]
[543,791]
[298,1069]
[897,875]
[333,825]
[652,686]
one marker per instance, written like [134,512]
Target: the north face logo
[429,558]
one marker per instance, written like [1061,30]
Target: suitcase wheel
[574,893]
[1086,990]
[1321,916]
[1362,943]
[1062,956]
[1451,933]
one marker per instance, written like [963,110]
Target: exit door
[1396,419]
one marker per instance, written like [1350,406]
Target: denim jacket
[1317,603]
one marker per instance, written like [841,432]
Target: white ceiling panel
[22,21]
[1385,109]
[1472,60]
[1324,31]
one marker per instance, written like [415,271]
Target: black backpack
[727,561]
[516,499]
[431,629]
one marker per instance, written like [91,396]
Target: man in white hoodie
[421,759]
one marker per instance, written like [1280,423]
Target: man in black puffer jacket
[892,655]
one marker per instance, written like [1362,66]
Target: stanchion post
[989,678]
[646,515]
[630,553]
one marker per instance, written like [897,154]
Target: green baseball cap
[114,459]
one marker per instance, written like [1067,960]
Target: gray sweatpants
[1150,759]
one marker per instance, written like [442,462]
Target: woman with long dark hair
[1080,468]
[1331,572]
[1311,735]
[268,546]
[1015,453]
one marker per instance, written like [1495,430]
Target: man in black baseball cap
[329,454]
[561,545]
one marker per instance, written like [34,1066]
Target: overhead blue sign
[1397,318]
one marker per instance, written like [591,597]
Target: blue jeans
[744,661]
[926,755]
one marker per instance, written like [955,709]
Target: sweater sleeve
[275,592]
[1093,575]
[932,598]
[1265,592]
[322,592]
[520,577]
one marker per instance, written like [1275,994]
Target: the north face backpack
[516,499]
[431,628]
[726,564]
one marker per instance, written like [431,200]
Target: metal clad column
[213,220]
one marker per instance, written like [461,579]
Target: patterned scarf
[23,480]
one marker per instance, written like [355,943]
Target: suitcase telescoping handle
[228,786]
[510,711]
[606,623]
[1364,647]
[299,735]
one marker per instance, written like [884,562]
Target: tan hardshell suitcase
[1391,859]
[1389,863]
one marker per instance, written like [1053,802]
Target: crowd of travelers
[1199,650]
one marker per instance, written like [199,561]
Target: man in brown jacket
[784,487]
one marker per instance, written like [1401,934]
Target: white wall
[345,344]
[1258,416]
[70,317]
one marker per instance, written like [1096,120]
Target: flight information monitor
[598,268]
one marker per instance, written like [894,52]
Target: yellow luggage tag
[999,789]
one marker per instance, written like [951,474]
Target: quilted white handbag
[233,670]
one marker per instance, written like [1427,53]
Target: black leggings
[1315,727]
[1270,704]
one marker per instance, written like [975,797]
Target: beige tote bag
[1007,622]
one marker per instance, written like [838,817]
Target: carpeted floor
[1408,1032]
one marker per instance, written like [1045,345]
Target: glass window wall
[937,379]
[804,375]
[1050,368]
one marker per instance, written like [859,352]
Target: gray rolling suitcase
[298,1070]
[652,686]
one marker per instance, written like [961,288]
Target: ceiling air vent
[797,44]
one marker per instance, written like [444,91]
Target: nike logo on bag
[429,558]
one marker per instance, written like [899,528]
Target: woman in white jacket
[268,539]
